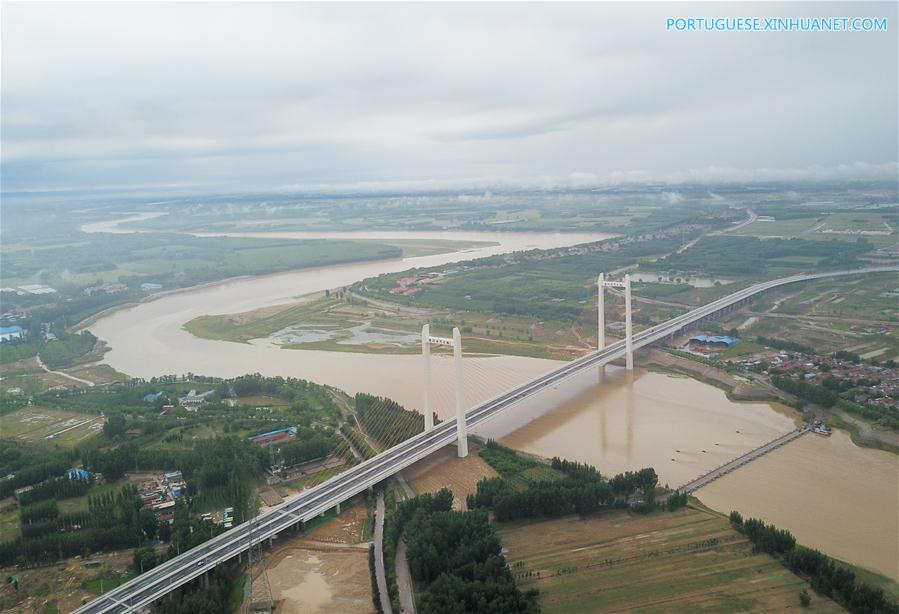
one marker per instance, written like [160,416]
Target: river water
[831,494]
[149,339]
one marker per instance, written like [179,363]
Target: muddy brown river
[831,494]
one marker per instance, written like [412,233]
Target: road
[751,216]
[161,580]
[404,580]
[380,573]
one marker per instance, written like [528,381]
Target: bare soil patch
[59,584]
[444,469]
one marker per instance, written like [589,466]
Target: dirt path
[41,364]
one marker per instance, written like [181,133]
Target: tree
[149,524]
[144,559]
[805,599]
[115,426]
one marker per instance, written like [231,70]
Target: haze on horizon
[291,96]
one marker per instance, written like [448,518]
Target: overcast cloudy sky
[296,95]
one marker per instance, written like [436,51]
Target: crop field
[866,223]
[685,561]
[36,424]
[857,314]
[779,228]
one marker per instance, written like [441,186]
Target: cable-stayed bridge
[163,579]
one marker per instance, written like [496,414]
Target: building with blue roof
[715,340]
[9,333]
[78,474]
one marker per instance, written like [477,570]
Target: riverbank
[739,388]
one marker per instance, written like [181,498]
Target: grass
[100,374]
[105,583]
[311,480]
[685,561]
[79,504]
[9,525]
[483,333]
[262,400]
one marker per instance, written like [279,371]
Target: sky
[293,96]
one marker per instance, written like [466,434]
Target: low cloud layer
[293,95]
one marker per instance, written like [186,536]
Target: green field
[685,561]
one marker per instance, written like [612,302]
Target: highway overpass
[161,580]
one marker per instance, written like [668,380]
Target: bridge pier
[628,328]
[601,311]
[461,426]
[429,393]
[337,509]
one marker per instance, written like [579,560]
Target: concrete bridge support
[628,327]
[429,393]
[601,311]
[461,427]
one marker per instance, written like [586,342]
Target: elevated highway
[161,580]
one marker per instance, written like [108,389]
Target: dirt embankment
[738,388]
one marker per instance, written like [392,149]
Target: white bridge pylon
[456,343]
[601,285]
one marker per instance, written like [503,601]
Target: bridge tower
[601,285]
[456,343]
